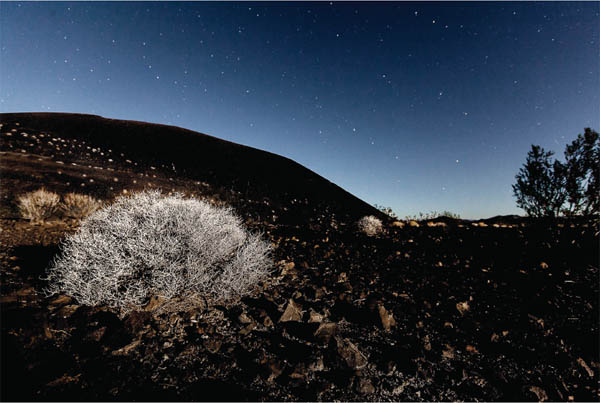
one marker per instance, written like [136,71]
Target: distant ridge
[199,156]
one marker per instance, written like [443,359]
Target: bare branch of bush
[148,245]
[370,225]
[39,205]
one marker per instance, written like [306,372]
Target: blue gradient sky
[416,106]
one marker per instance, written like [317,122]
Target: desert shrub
[550,188]
[76,205]
[386,210]
[449,214]
[370,225]
[432,215]
[148,244]
[39,205]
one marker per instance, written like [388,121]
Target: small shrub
[370,225]
[386,210]
[449,214]
[76,205]
[432,215]
[150,245]
[39,205]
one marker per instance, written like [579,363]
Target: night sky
[415,106]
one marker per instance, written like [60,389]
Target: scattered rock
[48,333]
[351,354]
[63,380]
[400,388]
[537,320]
[60,300]
[292,313]
[67,310]
[471,349]
[276,370]
[320,292]
[287,268]
[585,366]
[315,317]
[248,329]
[244,318]
[26,292]
[540,393]
[463,307]
[213,345]
[387,318]
[97,334]
[8,299]
[267,321]
[326,331]
[299,372]
[448,352]
[136,320]
[365,386]
[127,349]
[317,365]
[426,343]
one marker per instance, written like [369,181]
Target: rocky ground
[446,310]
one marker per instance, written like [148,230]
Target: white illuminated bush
[148,245]
[370,225]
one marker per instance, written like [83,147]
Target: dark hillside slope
[252,172]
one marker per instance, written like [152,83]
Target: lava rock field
[498,309]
